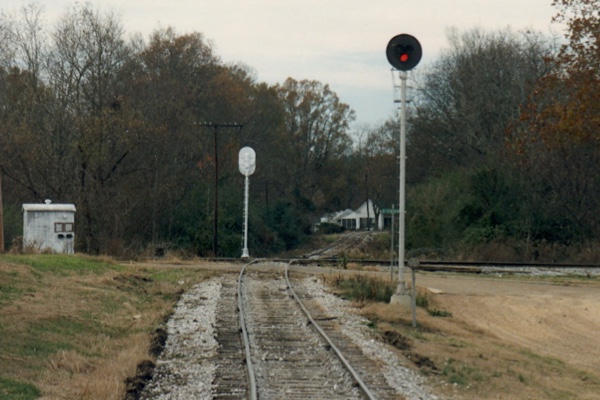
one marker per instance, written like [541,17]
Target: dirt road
[550,319]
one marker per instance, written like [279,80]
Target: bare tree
[469,96]
[89,127]
[316,124]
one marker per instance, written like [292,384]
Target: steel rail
[430,265]
[244,334]
[505,264]
[339,354]
[422,263]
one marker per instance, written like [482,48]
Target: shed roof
[49,207]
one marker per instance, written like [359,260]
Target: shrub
[328,228]
[365,288]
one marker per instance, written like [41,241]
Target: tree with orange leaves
[558,134]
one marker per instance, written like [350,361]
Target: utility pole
[215,127]
[1,217]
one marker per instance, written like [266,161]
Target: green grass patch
[461,374]
[9,293]
[41,348]
[14,390]
[439,313]
[11,286]
[34,343]
[61,326]
[62,264]
[422,300]
[543,360]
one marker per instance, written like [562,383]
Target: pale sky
[340,43]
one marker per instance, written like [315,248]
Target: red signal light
[403,52]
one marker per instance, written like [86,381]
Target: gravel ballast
[186,368]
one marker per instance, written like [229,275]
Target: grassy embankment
[75,327]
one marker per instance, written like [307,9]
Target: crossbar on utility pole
[216,127]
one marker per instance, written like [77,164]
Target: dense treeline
[503,141]
[118,128]
[506,138]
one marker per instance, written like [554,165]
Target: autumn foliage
[557,136]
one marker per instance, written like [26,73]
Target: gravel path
[186,368]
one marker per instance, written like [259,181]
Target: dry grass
[467,362]
[78,332]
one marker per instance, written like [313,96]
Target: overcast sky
[337,42]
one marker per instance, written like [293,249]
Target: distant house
[356,219]
[49,227]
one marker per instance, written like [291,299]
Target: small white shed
[49,227]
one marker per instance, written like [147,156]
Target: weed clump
[364,288]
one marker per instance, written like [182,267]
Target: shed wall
[49,228]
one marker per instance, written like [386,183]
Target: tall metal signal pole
[403,53]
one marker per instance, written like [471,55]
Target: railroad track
[288,352]
[346,242]
[471,267]
[230,380]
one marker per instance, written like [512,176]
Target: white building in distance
[361,218]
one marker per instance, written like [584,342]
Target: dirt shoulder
[486,337]
[549,319]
